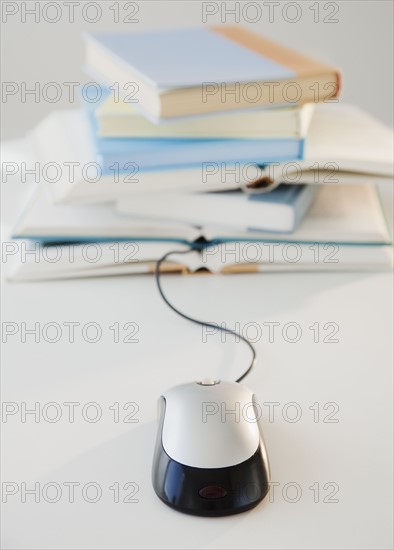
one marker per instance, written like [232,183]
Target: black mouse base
[211,491]
[211,513]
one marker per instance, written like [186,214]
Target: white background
[360,43]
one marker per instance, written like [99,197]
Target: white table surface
[353,454]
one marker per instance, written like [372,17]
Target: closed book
[147,154]
[181,72]
[279,211]
[117,118]
[161,152]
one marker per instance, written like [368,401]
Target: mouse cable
[197,321]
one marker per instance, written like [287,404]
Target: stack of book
[209,137]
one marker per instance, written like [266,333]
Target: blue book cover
[156,154]
[180,58]
[299,197]
[165,153]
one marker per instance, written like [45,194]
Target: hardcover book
[181,72]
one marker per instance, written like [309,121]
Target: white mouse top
[210,424]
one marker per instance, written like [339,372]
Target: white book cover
[282,210]
[122,119]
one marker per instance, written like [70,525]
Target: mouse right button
[258,412]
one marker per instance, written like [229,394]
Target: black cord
[197,321]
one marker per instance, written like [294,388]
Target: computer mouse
[210,458]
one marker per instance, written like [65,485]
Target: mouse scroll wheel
[208,382]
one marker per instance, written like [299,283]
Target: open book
[140,257]
[344,230]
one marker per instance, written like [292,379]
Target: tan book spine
[302,65]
